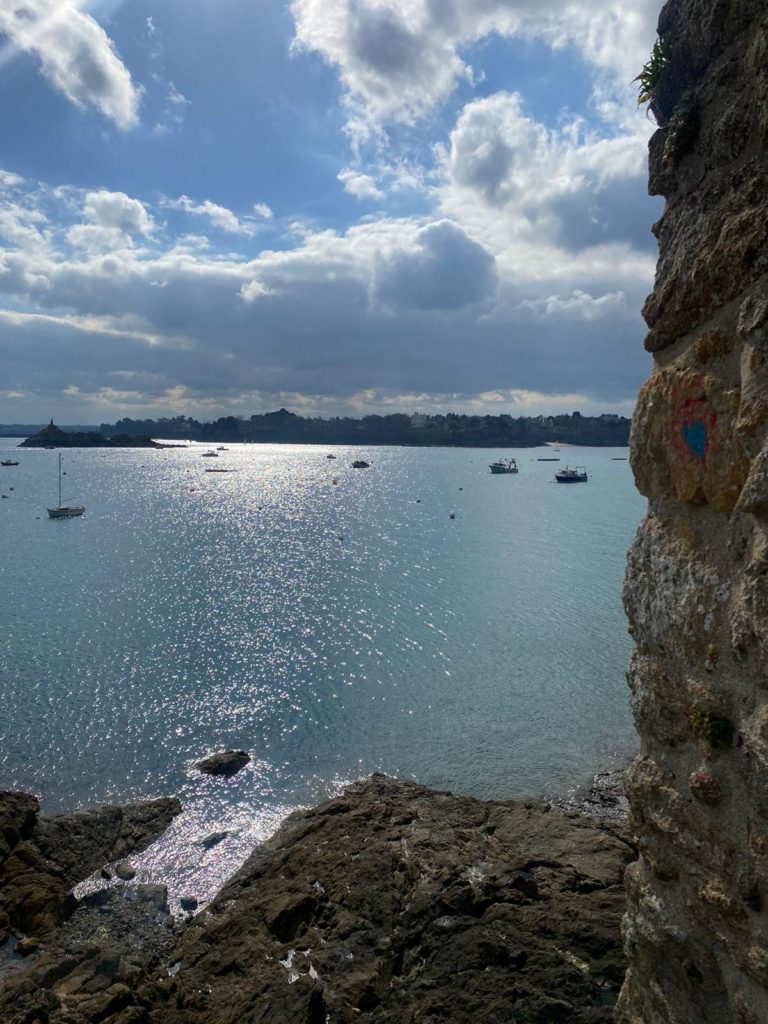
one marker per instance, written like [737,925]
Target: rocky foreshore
[392,903]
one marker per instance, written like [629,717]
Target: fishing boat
[8,462]
[360,464]
[62,511]
[210,455]
[504,466]
[572,476]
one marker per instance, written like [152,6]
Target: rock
[42,858]
[696,586]
[27,946]
[188,903]
[214,839]
[228,762]
[80,843]
[392,903]
[396,903]
[125,872]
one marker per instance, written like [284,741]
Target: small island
[54,437]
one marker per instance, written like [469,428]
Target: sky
[342,207]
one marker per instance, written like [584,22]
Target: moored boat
[62,511]
[504,466]
[8,462]
[572,476]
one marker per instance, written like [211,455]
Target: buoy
[453,515]
[334,481]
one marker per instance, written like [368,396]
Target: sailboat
[64,511]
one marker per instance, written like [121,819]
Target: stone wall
[696,589]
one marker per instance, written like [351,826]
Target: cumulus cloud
[444,270]
[219,216]
[110,220]
[537,196]
[360,185]
[397,59]
[393,306]
[76,55]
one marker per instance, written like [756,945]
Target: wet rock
[228,762]
[27,946]
[214,839]
[42,858]
[125,872]
[391,904]
[188,903]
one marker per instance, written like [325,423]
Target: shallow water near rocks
[329,630]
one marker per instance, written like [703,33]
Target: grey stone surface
[696,588]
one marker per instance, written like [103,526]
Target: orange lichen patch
[684,441]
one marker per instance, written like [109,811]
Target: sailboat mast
[59,479]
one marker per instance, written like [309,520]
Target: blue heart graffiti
[695,435]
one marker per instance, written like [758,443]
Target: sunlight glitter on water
[328,630]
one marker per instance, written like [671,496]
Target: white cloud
[262,210]
[536,196]
[397,59]
[76,55]
[110,220]
[360,185]
[578,304]
[172,115]
[219,216]
[396,306]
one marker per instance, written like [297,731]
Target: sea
[421,617]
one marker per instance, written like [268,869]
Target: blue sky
[340,206]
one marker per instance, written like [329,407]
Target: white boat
[61,511]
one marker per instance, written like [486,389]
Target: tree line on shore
[450,429]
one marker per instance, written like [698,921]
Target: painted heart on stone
[695,435]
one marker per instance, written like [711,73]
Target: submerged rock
[228,762]
[214,839]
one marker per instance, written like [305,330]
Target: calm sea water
[329,630]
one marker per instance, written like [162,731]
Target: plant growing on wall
[649,77]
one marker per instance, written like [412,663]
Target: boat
[547,460]
[330,456]
[504,466]
[572,476]
[62,511]
[360,464]
[8,462]
[221,448]
[215,469]
[210,455]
